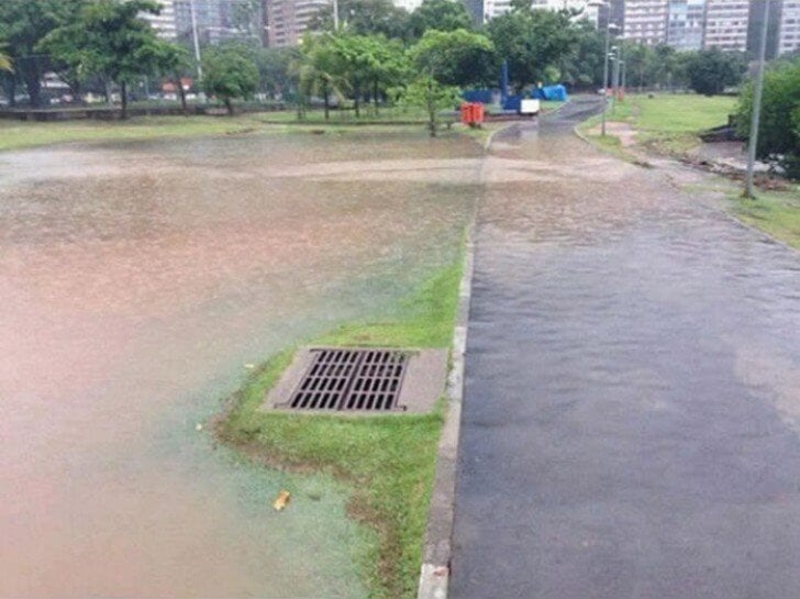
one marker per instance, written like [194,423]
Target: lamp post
[335,16]
[609,26]
[196,41]
[754,121]
[614,77]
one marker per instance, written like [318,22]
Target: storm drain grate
[351,379]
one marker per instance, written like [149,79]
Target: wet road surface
[632,402]
[137,281]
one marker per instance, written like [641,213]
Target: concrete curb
[437,551]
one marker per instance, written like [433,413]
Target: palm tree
[5,61]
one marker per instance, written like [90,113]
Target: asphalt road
[632,399]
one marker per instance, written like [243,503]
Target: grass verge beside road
[665,122]
[775,212]
[388,462]
[671,124]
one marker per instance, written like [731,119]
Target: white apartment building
[645,21]
[164,23]
[685,24]
[495,8]
[589,9]
[409,5]
[726,25]
[789,33]
[287,20]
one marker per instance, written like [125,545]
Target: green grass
[24,134]
[17,134]
[668,122]
[775,212]
[388,462]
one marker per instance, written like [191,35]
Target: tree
[364,17]
[442,15]
[583,65]
[5,62]
[363,63]
[23,23]
[457,57]
[439,58]
[431,95]
[229,75]
[172,61]
[532,41]
[779,129]
[273,66]
[110,39]
[711,71]
[319,71]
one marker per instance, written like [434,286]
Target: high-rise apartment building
[216,20]
[586,8]
[495,8]
[685,24]
[645,21]
[789,31]
[409,5]
[164,22]
[287,20]
[726,23]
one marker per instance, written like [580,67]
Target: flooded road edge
[434,575]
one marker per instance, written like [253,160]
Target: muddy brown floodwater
[137,280]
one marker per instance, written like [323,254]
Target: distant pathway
[632,404]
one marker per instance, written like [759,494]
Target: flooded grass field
[138,282]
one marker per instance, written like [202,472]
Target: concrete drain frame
[360,381]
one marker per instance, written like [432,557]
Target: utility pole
[758,91]
[614,78]
[335,16]
[605,76]
[196,41]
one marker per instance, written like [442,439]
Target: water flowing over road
[632,402]
[137,281]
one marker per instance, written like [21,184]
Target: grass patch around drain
[388,462]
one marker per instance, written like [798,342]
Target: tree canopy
[442,15]
[779,130]
[23,24]
[711,71]
[229,75]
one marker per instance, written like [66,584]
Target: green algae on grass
[387,462]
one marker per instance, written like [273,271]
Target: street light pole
[196,41]
[335,16]
[754,121]
[605,76]
[614,78]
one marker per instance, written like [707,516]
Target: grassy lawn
[18,134]
[776,212]
[23,134]
[388,462]
[668,122]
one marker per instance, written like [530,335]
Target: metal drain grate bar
[351,380]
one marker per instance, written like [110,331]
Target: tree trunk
[107,88]
[182,93]
[375,95]
[12,91]
[229,106]
[326,100]
[33,84]
[123,86]
[357,102]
